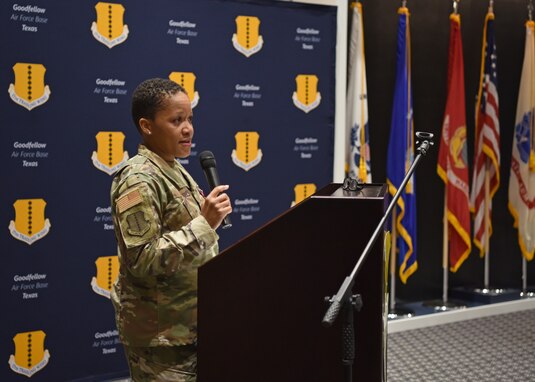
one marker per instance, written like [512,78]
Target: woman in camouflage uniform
[165,230]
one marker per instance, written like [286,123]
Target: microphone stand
[344,298]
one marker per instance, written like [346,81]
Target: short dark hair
[149,96]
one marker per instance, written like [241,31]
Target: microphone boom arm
[344,298]
[337,301]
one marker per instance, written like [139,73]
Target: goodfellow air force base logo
[30,224]
[29,89]
[109,28]
[247,154]
[107,272]
[303,191]
[306,97]
[110,155]
[187,81]
[30,354]
[247,39]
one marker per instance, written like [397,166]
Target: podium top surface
[369,190]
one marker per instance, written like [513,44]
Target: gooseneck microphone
[209,167]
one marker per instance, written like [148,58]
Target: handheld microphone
[209,167]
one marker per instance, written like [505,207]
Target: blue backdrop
[261,77]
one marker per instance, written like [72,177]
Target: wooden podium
[261,301]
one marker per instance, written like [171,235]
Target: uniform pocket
[177,214]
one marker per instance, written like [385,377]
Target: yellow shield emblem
[107,273]
[247,154]
[110,155]
[306,97]
[109,28]
[303,191]
[30,354]
[187,81]
[30,224]
[29,89]
[247,39]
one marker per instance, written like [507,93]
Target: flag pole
[393,263]
[445,252]
[487,290]
[487,227]
[444,304]
[525,293]
[393,311]
[524,276]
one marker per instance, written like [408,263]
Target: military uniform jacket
[163,239]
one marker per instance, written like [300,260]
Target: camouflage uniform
[162,239]
[163,364]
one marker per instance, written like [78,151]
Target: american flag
[487,138]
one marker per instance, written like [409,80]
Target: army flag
[401,153]
[357,137]
[452,157]
[522,179]
[487,144]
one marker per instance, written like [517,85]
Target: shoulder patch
[138,225]
[129,200]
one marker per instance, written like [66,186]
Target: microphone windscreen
[207,159]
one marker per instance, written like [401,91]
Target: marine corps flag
[401,153]
[486,176]
[357,136]
[452,156]
[522,179]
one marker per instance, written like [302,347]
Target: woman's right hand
[216,206]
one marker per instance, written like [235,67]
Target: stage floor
[491,343]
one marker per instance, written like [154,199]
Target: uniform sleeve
[139,215]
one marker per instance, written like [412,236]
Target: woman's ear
[145,126]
